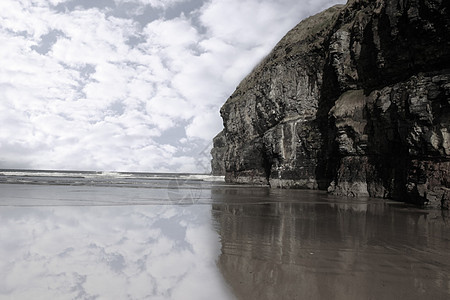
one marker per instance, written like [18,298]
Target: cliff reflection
[304,245]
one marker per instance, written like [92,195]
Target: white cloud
[154,3]
[24,17]
[83,89]
[176,33]
[204,126]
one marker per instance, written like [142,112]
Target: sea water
[97,235]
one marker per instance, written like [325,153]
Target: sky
[128,85]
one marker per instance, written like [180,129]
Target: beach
[194,238]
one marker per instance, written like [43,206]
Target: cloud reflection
[127,252]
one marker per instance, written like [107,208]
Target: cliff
[355,100]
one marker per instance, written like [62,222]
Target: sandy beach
[226,242]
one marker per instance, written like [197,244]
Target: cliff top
[308,35]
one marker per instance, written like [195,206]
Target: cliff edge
[355,100]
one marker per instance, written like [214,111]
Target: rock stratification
[355,100]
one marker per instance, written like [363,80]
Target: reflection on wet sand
[94,242]
[305,245]
[109,252]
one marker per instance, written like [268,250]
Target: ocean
[119,235]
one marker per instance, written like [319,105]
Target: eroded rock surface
[355,100]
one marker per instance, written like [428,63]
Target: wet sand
[332,248]
[216,241]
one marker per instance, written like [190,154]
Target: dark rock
[355,100]
[218,154]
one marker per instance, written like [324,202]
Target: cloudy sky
[127,85]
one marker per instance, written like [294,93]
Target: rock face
[355,100]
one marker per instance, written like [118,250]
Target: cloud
[203,126]
[95,87]
[153,3]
